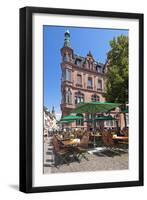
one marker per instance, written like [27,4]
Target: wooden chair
[107,140]
[110,144]
[124,144]
[61,153]
[82,147]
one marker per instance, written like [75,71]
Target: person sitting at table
[121,133]
[125,130]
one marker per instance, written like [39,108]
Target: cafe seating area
[94,145]
[69,147]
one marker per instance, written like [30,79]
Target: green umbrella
[102,118]
[125,111]
[71,117]
[88,120]
[95,107]
[105,118]
[65,122]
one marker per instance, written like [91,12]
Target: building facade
[83,78]
[50,121]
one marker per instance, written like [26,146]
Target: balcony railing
[78,85]
[67,82]
[99,89]
[90,87]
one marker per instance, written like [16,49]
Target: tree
[117,72]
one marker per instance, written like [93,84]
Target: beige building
[50,121]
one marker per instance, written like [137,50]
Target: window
[110,123]
[78,63]
[63,74]
[68,75]
[99,85]
[89,84]
[79,79]
[79,122]
[95,98]
[99,69]
[79,97]
[66,58]
[69,96]
[64,96]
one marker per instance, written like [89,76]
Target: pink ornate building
[83,80]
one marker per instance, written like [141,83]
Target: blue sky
[82,40]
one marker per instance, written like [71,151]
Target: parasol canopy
[105,118]
[125,111]
[65,122]
[95,107]
[71,118]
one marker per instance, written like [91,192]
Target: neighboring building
[83,79]
[50,122]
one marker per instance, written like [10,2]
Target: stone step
[48,154]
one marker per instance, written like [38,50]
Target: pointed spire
[90,54]
[53,111]
[67,39]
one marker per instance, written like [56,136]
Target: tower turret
[67,39]
[66,50]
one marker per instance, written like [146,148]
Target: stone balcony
[90,87]
[65,105]
[79,85]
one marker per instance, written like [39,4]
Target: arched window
[95,98]
[68,96]
[78,62]
[66,57]
[79,122]
[63,96]
[79,97]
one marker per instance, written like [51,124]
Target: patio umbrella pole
[94,143]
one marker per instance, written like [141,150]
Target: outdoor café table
[71,145]
[71,142]
[96,136]
[121,138]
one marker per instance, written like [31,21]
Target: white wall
[9,84]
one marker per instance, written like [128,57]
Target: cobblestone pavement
[100,159]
